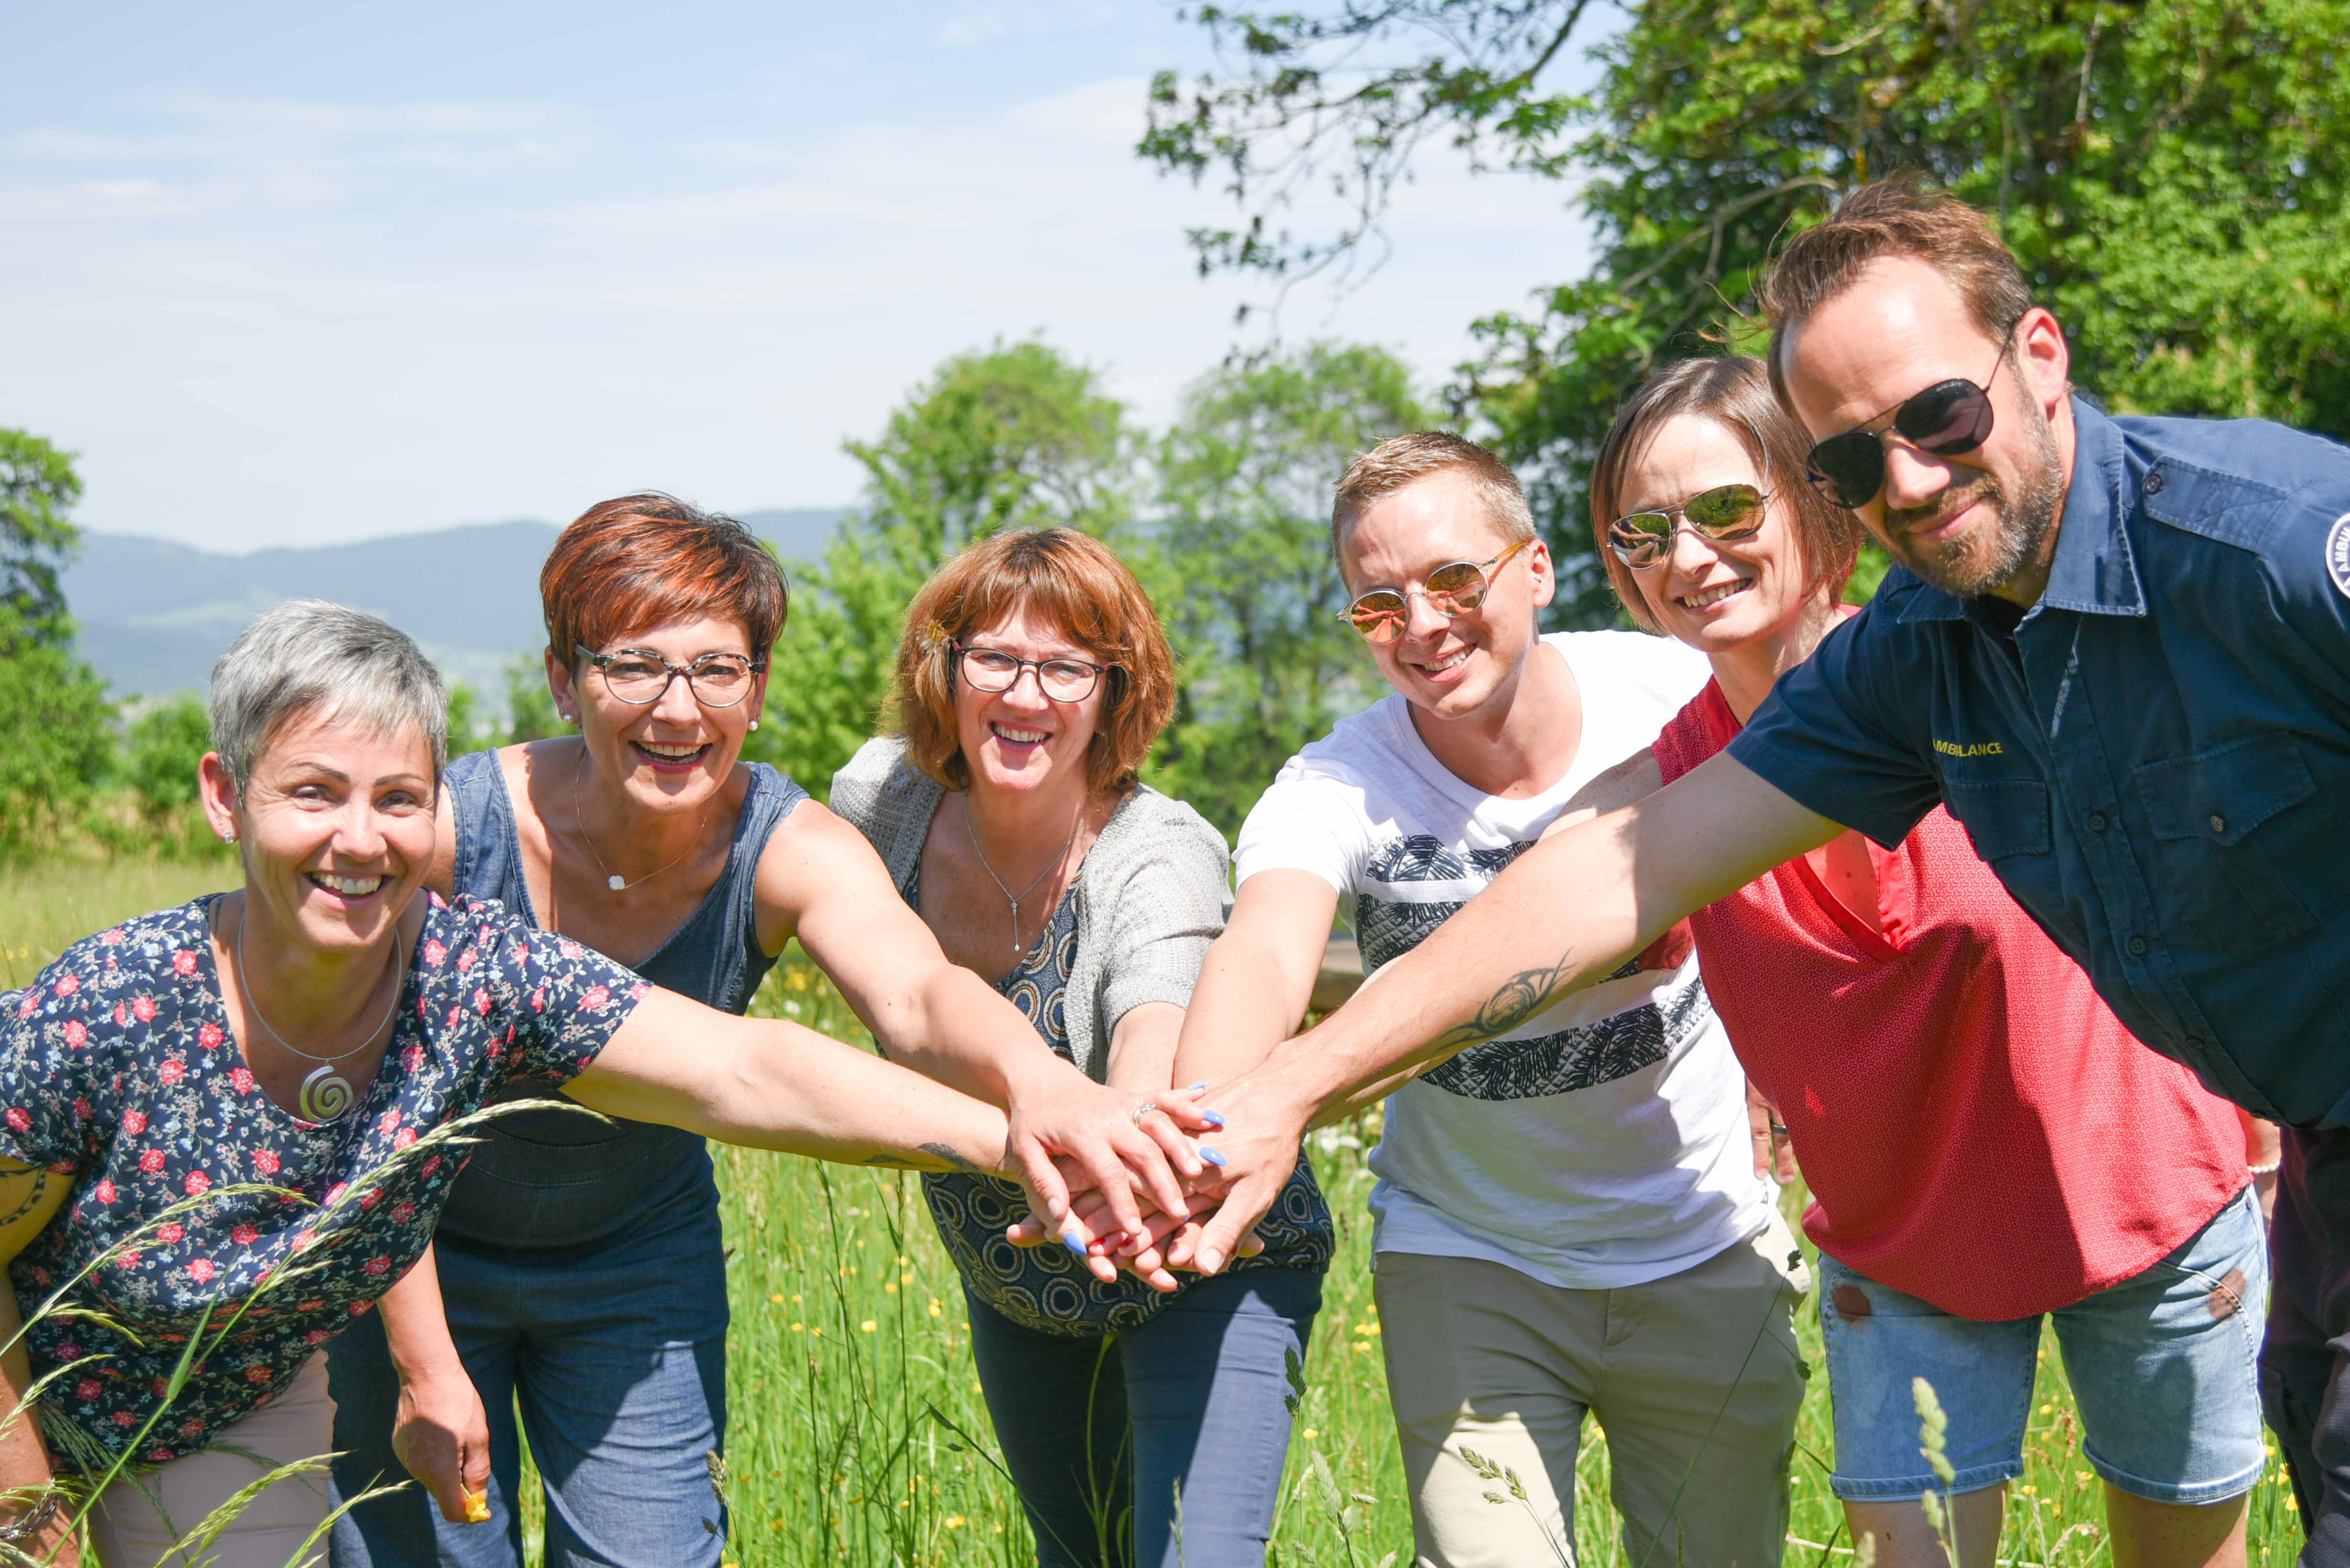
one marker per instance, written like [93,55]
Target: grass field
[858,1433]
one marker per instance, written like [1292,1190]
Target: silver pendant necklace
[326,1094]
[1050,867]
[613,879]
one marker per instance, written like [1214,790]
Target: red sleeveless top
[1977,1129]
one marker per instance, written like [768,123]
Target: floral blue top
[117,1070]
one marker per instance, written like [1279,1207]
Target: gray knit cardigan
[1154,890]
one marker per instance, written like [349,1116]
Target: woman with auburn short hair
[1032,678]
[1957,1093]
[579,1266]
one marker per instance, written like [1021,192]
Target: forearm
[1244,1006]
[416,1325]
[24,1472]
[957,1029]
[1564,916]
[1142,1050]
[772,1084]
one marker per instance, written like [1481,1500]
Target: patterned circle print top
[1046,1288]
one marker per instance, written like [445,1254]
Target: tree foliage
[1014,436]
[2173,175]
[1240,559]
[38,488]
[60,738]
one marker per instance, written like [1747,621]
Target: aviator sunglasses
[1452,589]
[1722,515]
[1948,419]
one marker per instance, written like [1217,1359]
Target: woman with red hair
[1143,1430]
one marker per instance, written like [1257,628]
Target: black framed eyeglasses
[1723,515]
[1948,419]
[995,670]
[1452,589]
[642,677]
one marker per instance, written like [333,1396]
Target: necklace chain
[326,1094]
[1050,867]
[613,879]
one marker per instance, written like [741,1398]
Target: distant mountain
[154,615]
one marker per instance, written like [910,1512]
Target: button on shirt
[2155,759]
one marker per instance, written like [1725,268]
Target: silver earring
[228,838]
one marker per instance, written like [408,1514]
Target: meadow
[858,1433]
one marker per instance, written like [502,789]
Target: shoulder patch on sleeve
[2338,554]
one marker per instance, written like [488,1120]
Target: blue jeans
[1100,1431]
[617,1358]
[2165,1367]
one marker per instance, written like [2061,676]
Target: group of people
[288,1170]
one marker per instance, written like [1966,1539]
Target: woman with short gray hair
[224,1128]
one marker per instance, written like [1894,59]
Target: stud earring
[754,723]
[228,838]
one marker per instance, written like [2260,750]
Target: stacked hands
[1123,1183]
[1140,1191]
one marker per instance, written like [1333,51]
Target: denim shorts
[2165,1367]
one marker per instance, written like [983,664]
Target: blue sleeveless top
[559,1180]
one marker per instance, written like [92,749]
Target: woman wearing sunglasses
[1139,1428]
[579,1263]
[1985,1145]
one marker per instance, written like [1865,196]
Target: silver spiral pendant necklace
[326,1094]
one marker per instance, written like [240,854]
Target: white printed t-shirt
[1602,1144]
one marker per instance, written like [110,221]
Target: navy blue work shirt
[2155,759]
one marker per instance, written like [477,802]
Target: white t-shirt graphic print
[1601,1143]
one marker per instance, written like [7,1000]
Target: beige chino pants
[1694,1379]
[141,1520]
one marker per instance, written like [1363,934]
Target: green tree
[1015,436]
[161,750]
[2172,175]
[1241,563]
[61,740]
[37,489]
[530,706]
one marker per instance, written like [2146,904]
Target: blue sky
[286,273]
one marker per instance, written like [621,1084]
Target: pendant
[617,884]
[325,1096]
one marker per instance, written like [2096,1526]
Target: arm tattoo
[32,1198]
[953,1160]
[1521,997]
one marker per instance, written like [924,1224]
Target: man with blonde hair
[1568,1218]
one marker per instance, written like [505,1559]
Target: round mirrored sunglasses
[1452,589]
[1722,515]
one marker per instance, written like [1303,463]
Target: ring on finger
[1142,1110]
[1778,1129]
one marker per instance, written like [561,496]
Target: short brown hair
[1404,459]
[1735,392]
[1895,217]
[644,560]
[1070,580]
